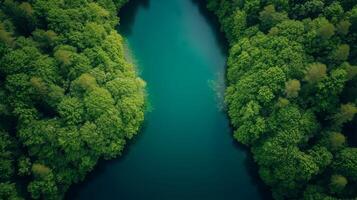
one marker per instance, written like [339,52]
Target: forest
[69,97]
[292,92]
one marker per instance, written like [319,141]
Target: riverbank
[186,149]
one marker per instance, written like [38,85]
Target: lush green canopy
[68,95]
[291,92]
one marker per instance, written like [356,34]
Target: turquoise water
[185,149]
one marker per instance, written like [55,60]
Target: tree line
[292,92]
[68,95]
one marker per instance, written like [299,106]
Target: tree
[26,8]
[63,56]
[7,158]
[269,17]
[326,96]
[322,156]
[44,187]
[45,39]
[334,12]
[350,69]
[345,163]
[285,85]
[310,8]
[343,27]
[337,140]
[341,53]
[5,36]
[240,23]
[338,183]
[315,73]
[21,14]
[38,85]
[85,82]
[67,93]
[326,30]
[71,110]
[8,191]
[346,114]
[40,170]
[97,101]
[292,88]
[24,165]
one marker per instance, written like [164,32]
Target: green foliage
[45,39]
[68,95]
[341,53]
[8,191]
[292,88]
[40,170]
[6,164]
[351,70]
[322,156]
[343,27]
[346,163]
[98,101]
[338,183]
[5,36]
[44,187]
[269,17]
[315,73]
[326,30]
[346,113]
[71,110]
[24,165]
[288,64]
[8,152]
[337,140]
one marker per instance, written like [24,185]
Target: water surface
[185,150]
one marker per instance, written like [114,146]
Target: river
[185,149]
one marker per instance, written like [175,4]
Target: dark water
[186,149]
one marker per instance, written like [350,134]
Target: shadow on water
[222,42]
[102,164]
[129,10]
[250,166]
[252,170]
[215,26]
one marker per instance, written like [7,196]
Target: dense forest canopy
[292,92]
[68,95]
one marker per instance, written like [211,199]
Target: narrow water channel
[185,150]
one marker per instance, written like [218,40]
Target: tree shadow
[250,165]
[100,167]
[252,169]
[212,20]
[127,15]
